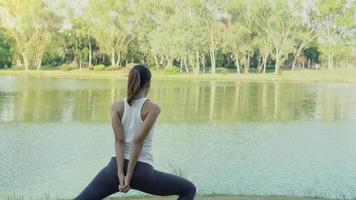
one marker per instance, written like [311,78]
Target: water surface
[264,138]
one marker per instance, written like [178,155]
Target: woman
[133,121]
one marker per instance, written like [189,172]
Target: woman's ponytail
[138,77]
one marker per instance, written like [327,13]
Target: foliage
[171,70]
[31,25]
[190,35]
[67,67]
[100,67]
[222,70]
[6,52]
[112,68]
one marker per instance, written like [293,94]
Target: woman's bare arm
[137,142]
[119,138]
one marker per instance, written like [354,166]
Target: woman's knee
[190,189]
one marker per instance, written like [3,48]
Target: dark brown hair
[138,77]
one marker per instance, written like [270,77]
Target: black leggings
[145,178]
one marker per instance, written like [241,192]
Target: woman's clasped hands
[124,185]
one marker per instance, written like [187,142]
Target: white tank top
[131,122]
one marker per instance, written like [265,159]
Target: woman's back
[131,123]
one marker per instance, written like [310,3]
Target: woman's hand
[122,182]
[126,187]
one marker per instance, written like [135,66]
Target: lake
[228,137]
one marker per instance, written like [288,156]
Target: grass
[222,197]
[208,197]
[337,75]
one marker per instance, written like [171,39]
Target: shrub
[222,70]
[171,70]
[66,67]
[100,67]
[112,68]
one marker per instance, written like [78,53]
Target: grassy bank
[337,75]
[209,197]
[219,197]
[223,197]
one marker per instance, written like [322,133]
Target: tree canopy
[192,35]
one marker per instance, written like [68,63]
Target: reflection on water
[267,138]
[55,100]
[304,158]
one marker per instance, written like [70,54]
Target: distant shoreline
[337,75]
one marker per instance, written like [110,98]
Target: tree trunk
[265,63]
[276,68]
[38,63]
[90,51]
[237,63]
[113,57]
[197,62]
[118,62]
[260,64]
[212,60]
[295,60]
[212,54]
[25,60]
[247,64]
[38,58]
[169,62]
[181,65]
[185,65]
[156,59]
[330,62]
[203,62]
[191,63]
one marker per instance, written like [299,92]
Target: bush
[171,70]
[66,67]
[222,70]
[112,68]
[100,67]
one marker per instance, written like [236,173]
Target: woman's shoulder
[118,105]
[152,106]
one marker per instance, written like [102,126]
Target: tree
[275,19]
[334,21]
[30,24]
[213,14]
[237,35]
[112,24]
[5,51]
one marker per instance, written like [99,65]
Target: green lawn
[208,197]
[220,198]
[337,75]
